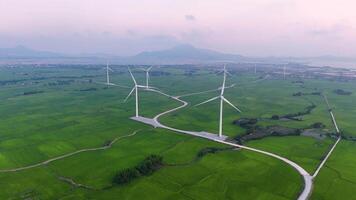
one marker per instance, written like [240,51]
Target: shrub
[149,165]
[318,125]
[126,176]
[342,92]
[32,92]
[207,150]
[275,117]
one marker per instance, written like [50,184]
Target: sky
[126,27]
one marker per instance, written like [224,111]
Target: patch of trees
[107,143]
[246,122]
[275,117]
[347,137]
[257,132]
[209,150]
[88,89]
[298,94]
[148,166]
[317,125]
[298,81]
[32,92]
[342,92]
[294,116]
[61,82]
[190,72]
[11,82]
[159,73]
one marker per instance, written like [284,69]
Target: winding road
[337,141]
[69,154]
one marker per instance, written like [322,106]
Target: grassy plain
[76,113]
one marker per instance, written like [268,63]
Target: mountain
[24,52]
[183,54]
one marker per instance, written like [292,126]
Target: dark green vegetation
[149,165]
[342,92]
[73,112]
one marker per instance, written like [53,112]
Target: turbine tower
[107,74]
[135,88]
[222,100]
[284,72]
[147,75]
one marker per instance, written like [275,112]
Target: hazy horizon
[251,28]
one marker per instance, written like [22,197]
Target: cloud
[190,17]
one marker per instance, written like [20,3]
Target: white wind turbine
[222,99]
[147,75]
[135,88]
[108,70]
[284,72]
[107,74]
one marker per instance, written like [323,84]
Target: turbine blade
[110,69]
[133,78]
[148,69]
[150,87]
[130,94]
[223,86]
[232,105]
[141,86]
[118,85]
[204,102]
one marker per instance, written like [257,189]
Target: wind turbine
[135,88]
[284,72]
[222,100]
[107,74]
[147,75]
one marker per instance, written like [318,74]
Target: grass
[306,151]
[63,119]
[337,180]
[218,176]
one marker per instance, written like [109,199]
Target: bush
[298,94]
[342,92]
[318,125]
[275,117]
[32,92]
[207,150]
[126,176]
[246,122]
[149,165]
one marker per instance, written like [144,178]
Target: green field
[70,111]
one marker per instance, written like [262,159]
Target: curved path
[337,141]
[308,179]
[70,154]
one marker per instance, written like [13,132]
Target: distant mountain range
[182,54]
[20,52]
